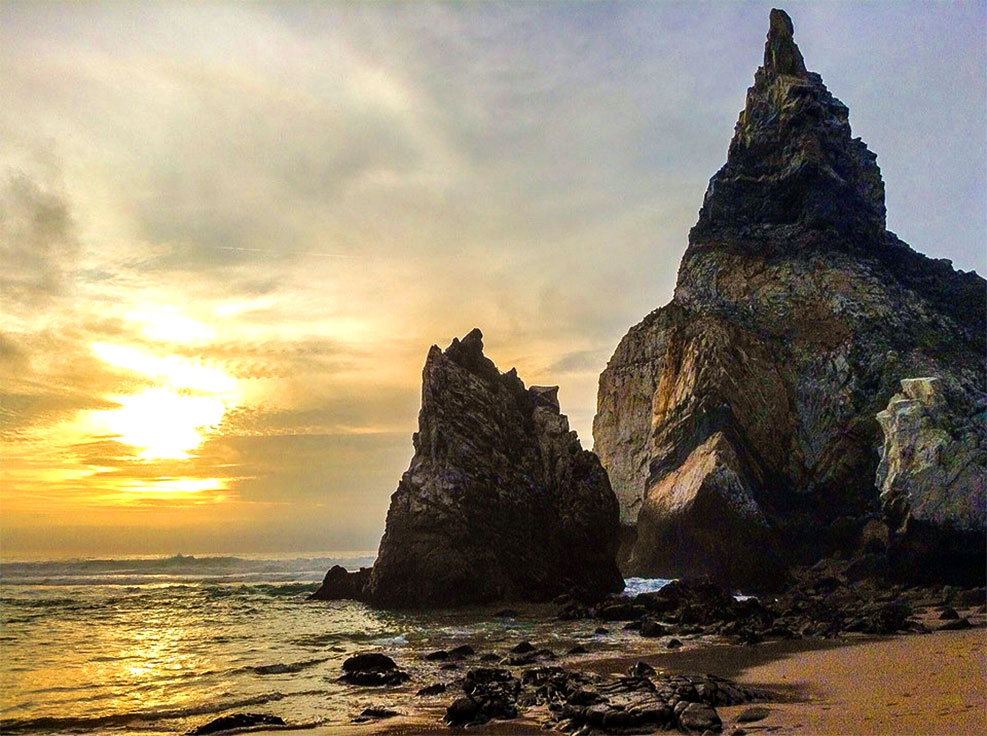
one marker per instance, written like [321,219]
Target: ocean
[161,645]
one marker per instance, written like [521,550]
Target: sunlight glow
[178,372]
[162,422]
[234,307]
[190,486]
[172,418]
[168,324]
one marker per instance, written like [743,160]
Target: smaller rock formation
[933,480]
[500,501]
[341,584]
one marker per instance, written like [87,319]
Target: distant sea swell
[177,568]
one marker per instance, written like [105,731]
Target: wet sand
[913,685]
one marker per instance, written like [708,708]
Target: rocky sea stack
[500,501]
[739,423]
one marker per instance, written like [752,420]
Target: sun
[173,417]
[164,423]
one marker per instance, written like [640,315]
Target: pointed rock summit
[738,423]
[793,160]
[500,501]
[781,54]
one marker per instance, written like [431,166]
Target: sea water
[161,645]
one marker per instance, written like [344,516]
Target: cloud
[38,243]
[304,197]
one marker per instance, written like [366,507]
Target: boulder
[753,714]
[436,688]
[237,721]
[372,670]
[737,422]
[500,501]
[700,718]
[933,480]
[340,584]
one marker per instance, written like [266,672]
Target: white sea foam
[391,641]
[636,586]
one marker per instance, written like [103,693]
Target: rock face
[933,478]
[500,501]
[737,423]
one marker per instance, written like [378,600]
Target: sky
[229,233]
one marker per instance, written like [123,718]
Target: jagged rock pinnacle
[500,501]
[793,160]
[781,54]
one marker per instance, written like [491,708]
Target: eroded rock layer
[737,423]
[500,501]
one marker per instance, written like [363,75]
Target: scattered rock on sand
[237,720]
[699,717]
[372,669]
[434,689]
[375,713]
[753,714]
[639,702]
[651,628]
[954,625]
[490,694]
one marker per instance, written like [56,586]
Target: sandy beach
[916,685]
[934,685]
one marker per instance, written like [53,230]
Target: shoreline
[913,684]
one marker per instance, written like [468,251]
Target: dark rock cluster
[642,701]
[823,601]
[528,681]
